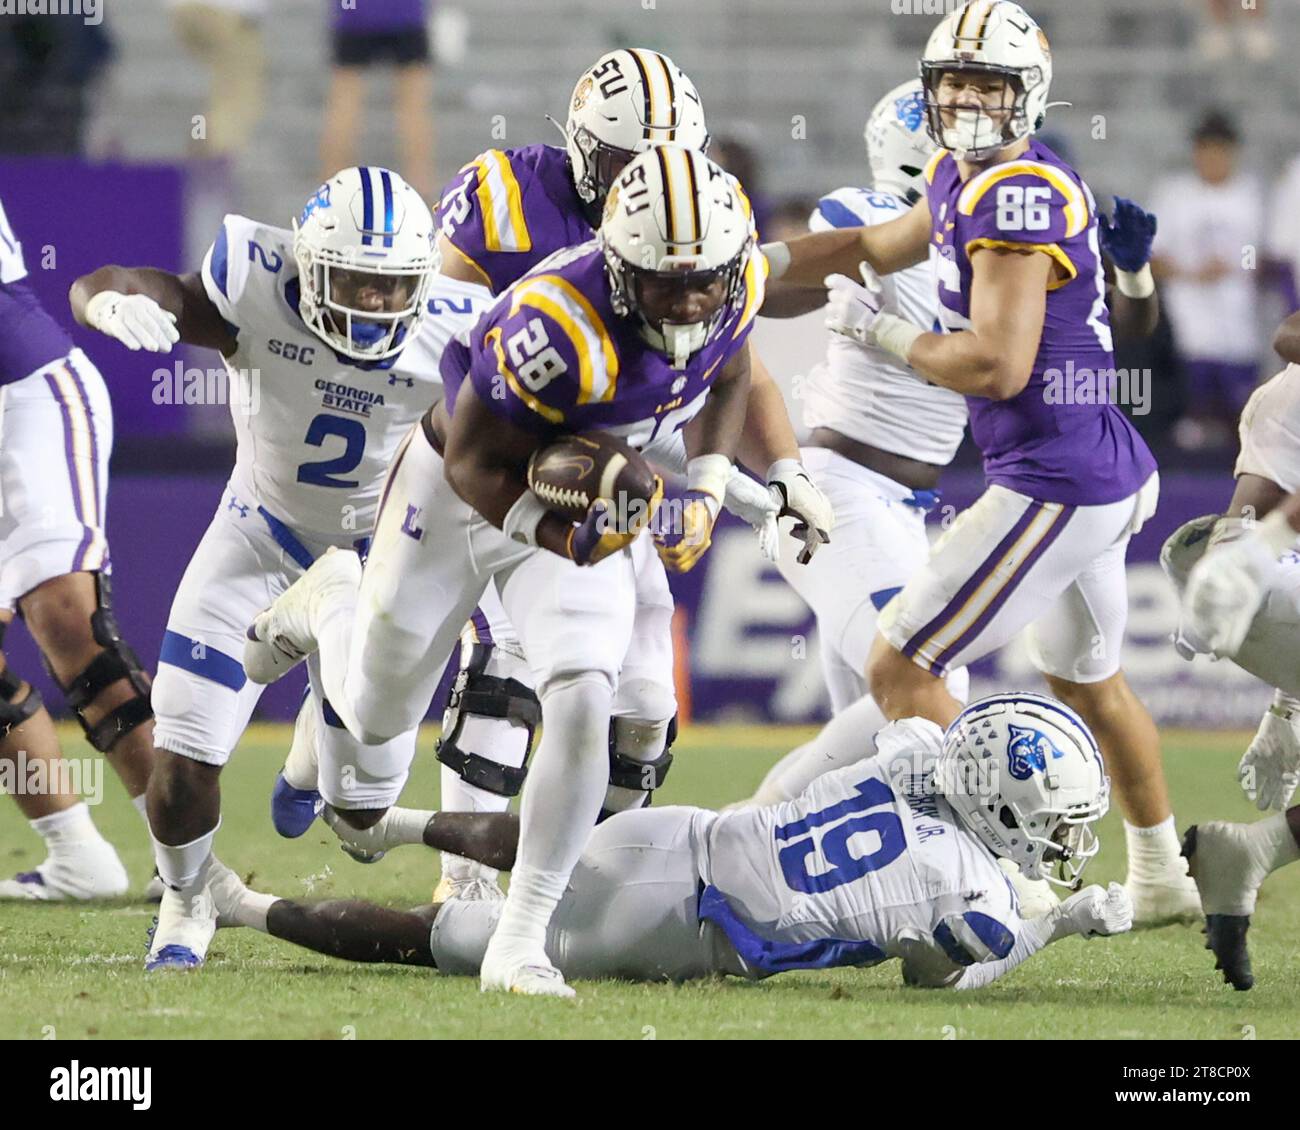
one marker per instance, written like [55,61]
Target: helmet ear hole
[1007,818]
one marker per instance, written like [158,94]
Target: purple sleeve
[526,368]
[498,247]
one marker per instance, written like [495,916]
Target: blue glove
[1127,239]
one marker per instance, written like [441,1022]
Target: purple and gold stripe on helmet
[367,206]
[983,596]
[648,117]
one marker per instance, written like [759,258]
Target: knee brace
[633,775]
[116,662]
[15,713]
[478,694]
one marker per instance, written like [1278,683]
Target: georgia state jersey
[1058,439]
[553,357]
[509,209]
[29,338]
[867,864]
[316,431]
[865,392]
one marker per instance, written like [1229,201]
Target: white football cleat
[473,889]
[181,933]
[280,637]
[514,966]
[1165,898]
[1035,896]
[226,889]
[77,873]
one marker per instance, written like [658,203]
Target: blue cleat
[173,958]
[293,810]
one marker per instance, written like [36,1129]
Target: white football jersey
[317,431]
[864,392]
[867,864]
[12,267]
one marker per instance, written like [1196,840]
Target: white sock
[1155,851]
[182,866]
[252,909]
[565,789]
[846,738]
[73,827]
[405,825]
[140,804]
[1273,841]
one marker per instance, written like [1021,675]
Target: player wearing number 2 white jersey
[892,857]
[332,336]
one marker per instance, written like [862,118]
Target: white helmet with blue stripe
[364,245]
[1025,776]
[898,143]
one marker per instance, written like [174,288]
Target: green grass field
[75,971]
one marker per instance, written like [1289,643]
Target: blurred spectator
[1211,225]
[366,34]
[225,36]
[789,219]
[1284,233]
[740,160]
[47,66]
[1224,17]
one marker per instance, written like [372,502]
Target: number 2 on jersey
[844,867]
[322,473]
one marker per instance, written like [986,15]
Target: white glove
[798,497]
[753,502]
[365,845]
[1224,591]
[853,308]
[135,320]
[1097,912]
[1269,771]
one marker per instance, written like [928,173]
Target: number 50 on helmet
[1023,773]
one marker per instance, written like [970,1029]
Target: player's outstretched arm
[145,308]
[807,260]
[1127,240]
[767,433]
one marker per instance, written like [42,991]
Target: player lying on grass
[1239,576]
[893,857]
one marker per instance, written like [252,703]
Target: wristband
[778,259]
[708,474]
[1136,284]
[895,335]
[523,518]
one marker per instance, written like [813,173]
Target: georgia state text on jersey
[867,864]
[865,392]
[1042,442]
[315,451]
[509,209]
[553,356]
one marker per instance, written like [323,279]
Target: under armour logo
[240,507]
[393,378]
[409,528]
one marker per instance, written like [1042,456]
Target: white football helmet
[898,144]
[1024,774]
[677,237]
[992,37]
[364,245]
[630,100]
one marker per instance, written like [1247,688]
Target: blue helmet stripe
[367,206]
[388,206]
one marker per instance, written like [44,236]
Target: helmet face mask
[364,246]
[1025,777]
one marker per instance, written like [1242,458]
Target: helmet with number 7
[677,238]
[365,253]
[1023,773]
[992,38]
[630,100]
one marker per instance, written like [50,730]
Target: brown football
[571,473]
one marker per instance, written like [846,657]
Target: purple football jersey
[29,338]
[1060,439]
[509,209]
[553,357]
